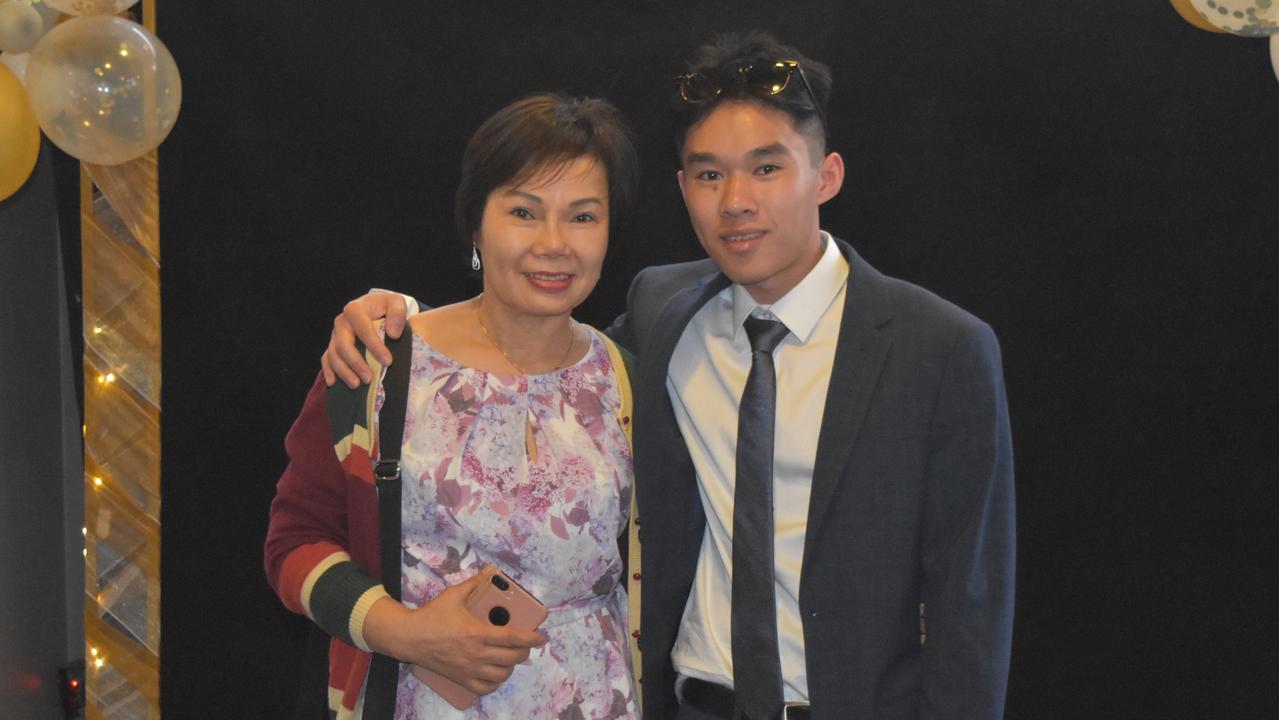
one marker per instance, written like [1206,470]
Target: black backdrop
[1095,179]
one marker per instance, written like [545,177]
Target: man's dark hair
[719,61]
[545,132]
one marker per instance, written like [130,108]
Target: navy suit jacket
[912,502]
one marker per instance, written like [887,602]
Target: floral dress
[531,473]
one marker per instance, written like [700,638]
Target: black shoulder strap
[384,672]
[395,386]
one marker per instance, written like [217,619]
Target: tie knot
[764,334]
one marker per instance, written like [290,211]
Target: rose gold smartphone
[500,601]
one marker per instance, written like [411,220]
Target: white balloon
[20,27]
[17,63]
[91,7]
[1274,54]
[103,89]
[1249,18]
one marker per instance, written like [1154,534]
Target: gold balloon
[104,89]
[19,135]
[1192,16]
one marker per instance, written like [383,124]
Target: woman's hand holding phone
[445,637]
[498,601]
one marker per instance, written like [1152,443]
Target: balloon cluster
[1246,18]
[101,87]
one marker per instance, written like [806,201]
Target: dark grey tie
[757,671]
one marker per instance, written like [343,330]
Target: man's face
[752,191]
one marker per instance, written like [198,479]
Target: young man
[822,453]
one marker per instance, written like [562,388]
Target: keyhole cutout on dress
[530,442]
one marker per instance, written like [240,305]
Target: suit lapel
[859,357]
[670,324]
[659,445]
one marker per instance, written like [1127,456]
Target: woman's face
[543,241]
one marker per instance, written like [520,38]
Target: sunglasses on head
[759,80]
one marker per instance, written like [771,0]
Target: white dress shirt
[705,379]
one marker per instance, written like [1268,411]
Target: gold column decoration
[120,244]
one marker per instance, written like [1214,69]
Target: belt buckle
[787,707]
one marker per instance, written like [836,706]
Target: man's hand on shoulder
[342,359]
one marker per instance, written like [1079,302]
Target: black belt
[719,701]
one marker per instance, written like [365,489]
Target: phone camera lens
[501,584]
[499,615]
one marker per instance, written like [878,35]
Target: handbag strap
[384,671]
[390,421]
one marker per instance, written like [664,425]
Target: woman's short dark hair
[540,132]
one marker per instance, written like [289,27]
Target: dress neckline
[591,348]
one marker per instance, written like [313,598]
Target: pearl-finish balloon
[1274,54]
[20,27]
[91,7]
[1192,16]
[1249,18]
[16,63]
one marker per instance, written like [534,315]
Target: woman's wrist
[383,627]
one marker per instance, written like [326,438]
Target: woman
[514,453]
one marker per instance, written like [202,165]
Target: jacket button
[636,576]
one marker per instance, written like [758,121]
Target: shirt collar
[802,307]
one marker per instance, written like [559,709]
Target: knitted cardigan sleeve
[307,551]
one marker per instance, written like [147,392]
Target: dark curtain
[1095,179]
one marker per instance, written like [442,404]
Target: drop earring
[475,258]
